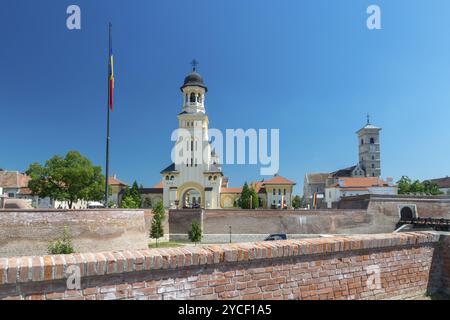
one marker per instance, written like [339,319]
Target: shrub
[62,245]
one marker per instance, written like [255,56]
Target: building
[15,191]
[116,189]
[443,184]
[196,179]
[351,186]
[368,166]
[314,183]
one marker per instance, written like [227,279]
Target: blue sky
[310,68]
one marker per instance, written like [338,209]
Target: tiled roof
[278,180]
[231,190]
[13,179]
[113,181]
[346,172]
[361,182]
[159,185]
[442,182]
[317,178]
[170,168]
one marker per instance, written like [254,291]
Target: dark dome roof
[194,79]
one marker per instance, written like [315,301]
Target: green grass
[167,244]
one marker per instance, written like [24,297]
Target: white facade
[336,192]
[195,177]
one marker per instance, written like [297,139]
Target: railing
[438,224]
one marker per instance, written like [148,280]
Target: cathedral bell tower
[194,179]
[369,149]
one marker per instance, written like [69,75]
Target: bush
[195,234]
[157,229]
[62,245]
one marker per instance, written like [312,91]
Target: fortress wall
[383,266]
[29,232]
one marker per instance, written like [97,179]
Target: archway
[406,213]
[191,198]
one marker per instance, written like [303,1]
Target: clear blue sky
[310,68]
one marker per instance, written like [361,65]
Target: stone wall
[384,266]
[28,232]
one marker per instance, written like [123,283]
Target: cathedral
[195,179]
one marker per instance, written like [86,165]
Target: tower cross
[368,118]
[194,64]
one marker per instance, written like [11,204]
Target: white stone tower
[369,149]
[194,180]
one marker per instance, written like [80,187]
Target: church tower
[194,179]
[369,149]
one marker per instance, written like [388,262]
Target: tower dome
[194,79]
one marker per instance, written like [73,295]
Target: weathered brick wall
[444,260]
[326,268]
[28,232]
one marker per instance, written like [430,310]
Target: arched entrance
[406,213]
[191,198]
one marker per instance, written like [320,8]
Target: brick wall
[28,232]
[323,268]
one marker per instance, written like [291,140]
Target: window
[373,157]
[172,177]
[167,177]
[362,141]
[209,178]
[284,191]
[192,97]
[215,177]
[279,192]
[373,166]
[273,192]
[372,140]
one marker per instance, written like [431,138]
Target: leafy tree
[71,178]
[157,230]
[407,186]
[254,198]
[62,245]
[296,202]
[244,201]
[195,233]
[131,197]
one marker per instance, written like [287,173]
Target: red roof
[159,185]
[361,182]
[113,181]
[279,180]
[231,190]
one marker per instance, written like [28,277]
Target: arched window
[362,141]
[372,140]
[172,177]
[167,177]
[373,157]
[199,98]
[192,97]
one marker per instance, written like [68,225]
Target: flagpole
[107,124]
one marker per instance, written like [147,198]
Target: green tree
[404,185]
[254,198]
[244,201]
[195,233]
[131,197]
[70,179]
[62,245]
[407,186]
[431,188]
[296,202]
[157,229]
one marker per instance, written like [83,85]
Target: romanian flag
[111,76]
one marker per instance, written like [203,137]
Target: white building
[347,187]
